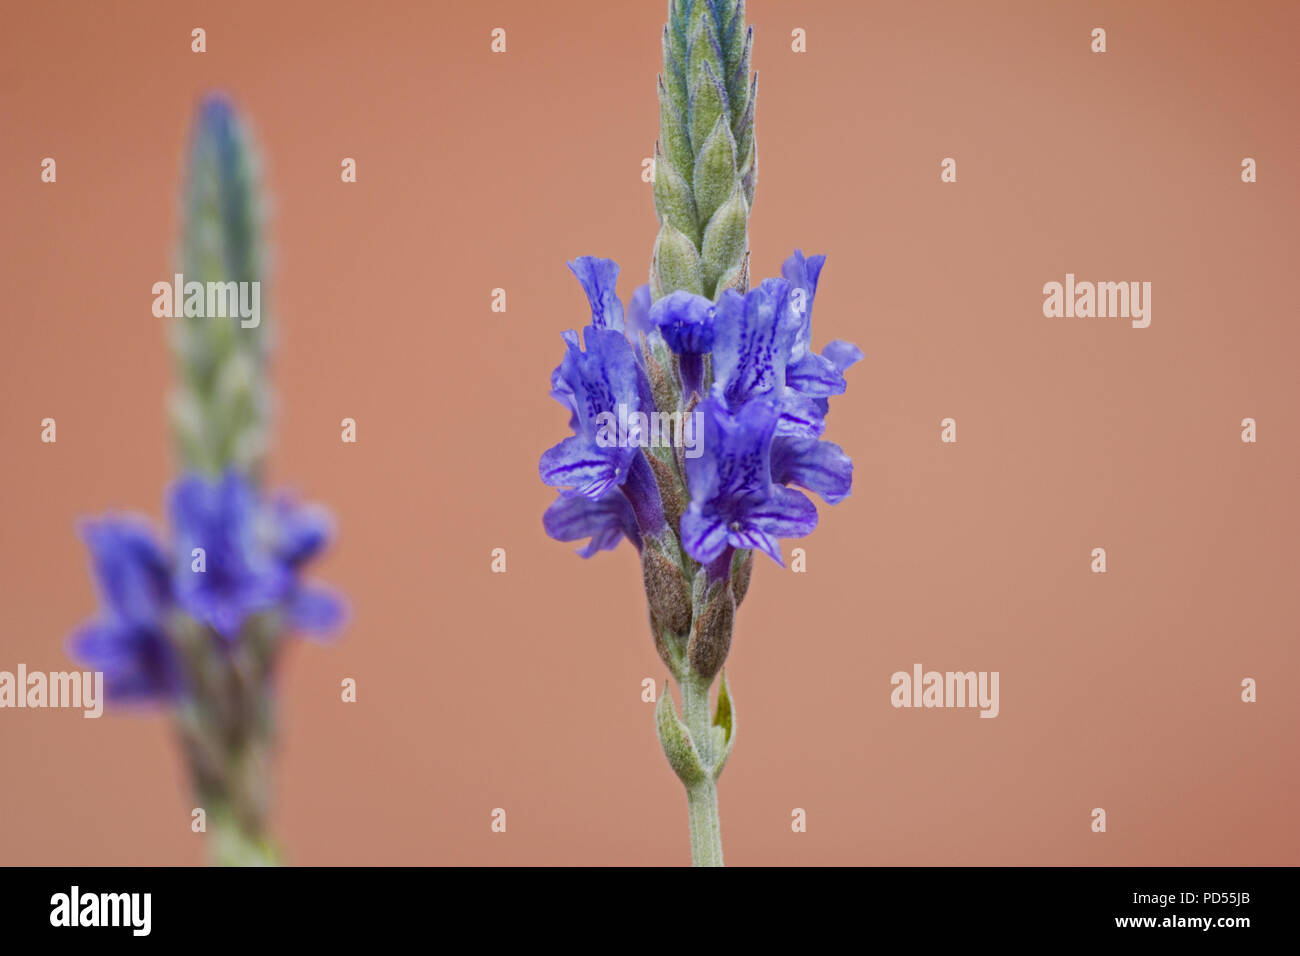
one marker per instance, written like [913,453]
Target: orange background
[522,691]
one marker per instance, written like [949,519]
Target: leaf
[676,741]
[724,718]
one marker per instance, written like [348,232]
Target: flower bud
[711,637]
[670,491]
[741,570]
[676,264]
[725,241]
[665,590]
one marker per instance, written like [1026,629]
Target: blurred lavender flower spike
[199,625]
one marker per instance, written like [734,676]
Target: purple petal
[815,376]
[598,278]
[138,663]
[842,354]
[802,417]
[302,531]
[685,320]
[703,536]
[605,520]
[131,569]
[787,514]
[752,342]
[756,540]
[315,611]
[819,466]
[638,310]
[580,464]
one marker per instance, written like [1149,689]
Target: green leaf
[676,740]
[722,715]
[676,264]
[724,718]
[715,170]
[673,200]
[725,241]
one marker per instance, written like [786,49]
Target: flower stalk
[198,623]
[733,366]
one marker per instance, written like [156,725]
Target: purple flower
[686,322]
[604,388]
[128,641]
[224,569]
[298,534]
[763,416]
[754,337]
[808,373]
[600,382]
[734,502]
[233,555]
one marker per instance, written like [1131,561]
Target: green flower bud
[715,171]
[676,264]
[673,200]
[726,241]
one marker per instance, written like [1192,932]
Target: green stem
[231,844]
[702,798]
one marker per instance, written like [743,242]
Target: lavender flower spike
[198,624]
[728,394]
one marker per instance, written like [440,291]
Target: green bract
[221,409]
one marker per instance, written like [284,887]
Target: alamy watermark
[209,300]
[948,689]
[1098,300]
[654,430]
[76,689]
[130,910]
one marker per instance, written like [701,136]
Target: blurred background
[523,690]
